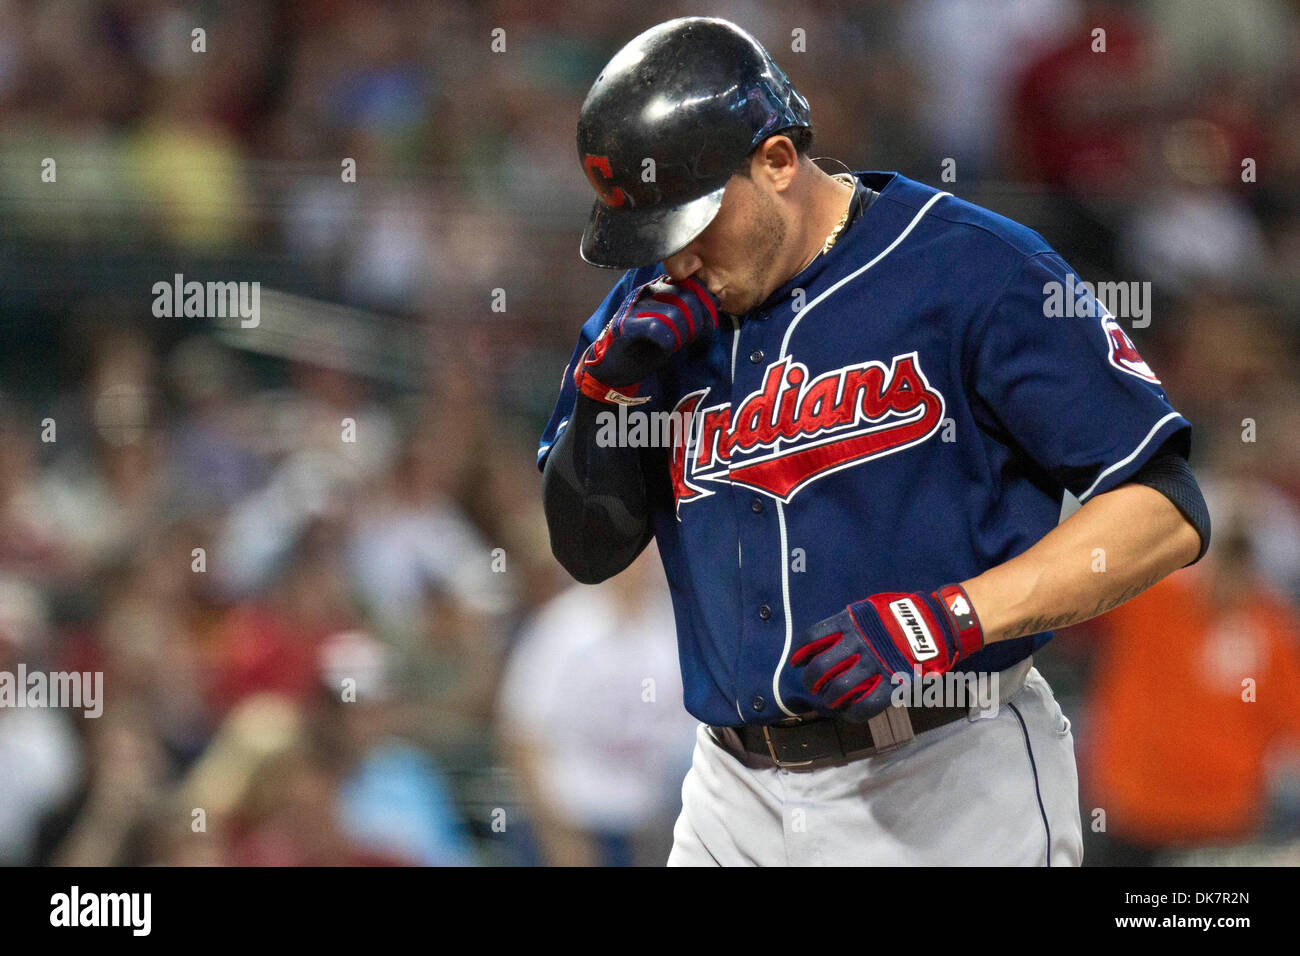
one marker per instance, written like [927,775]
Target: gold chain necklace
[847,179]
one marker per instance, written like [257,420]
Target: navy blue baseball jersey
[906,412]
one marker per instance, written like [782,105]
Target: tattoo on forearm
[1046,622]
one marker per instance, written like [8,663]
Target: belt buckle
[771,751]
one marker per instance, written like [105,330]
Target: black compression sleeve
[595,499]
[1169,474]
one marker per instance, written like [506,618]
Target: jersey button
[758,703]
[756,356]
[764,612]
[756,506]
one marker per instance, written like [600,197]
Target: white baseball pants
[997,790]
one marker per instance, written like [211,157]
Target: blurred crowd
[319,587]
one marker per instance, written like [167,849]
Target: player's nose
[681,265]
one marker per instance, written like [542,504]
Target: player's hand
[848,659]
[656,320]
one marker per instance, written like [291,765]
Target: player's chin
[736,304]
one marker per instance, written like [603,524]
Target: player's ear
[776,160]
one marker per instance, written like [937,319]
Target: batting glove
[847,659]
[655,321]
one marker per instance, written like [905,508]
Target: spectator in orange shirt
[1196,689]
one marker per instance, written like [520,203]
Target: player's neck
[828,201]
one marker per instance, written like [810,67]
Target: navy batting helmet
[666,124]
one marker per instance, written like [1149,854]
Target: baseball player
[874,408]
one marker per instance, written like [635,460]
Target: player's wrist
[586,380]
[952,605]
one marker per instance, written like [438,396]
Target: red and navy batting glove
[655,321]
[848,659]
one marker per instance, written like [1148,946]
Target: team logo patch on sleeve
[1123,354]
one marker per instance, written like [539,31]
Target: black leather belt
[801,742]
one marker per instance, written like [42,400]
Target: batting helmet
[665,125]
